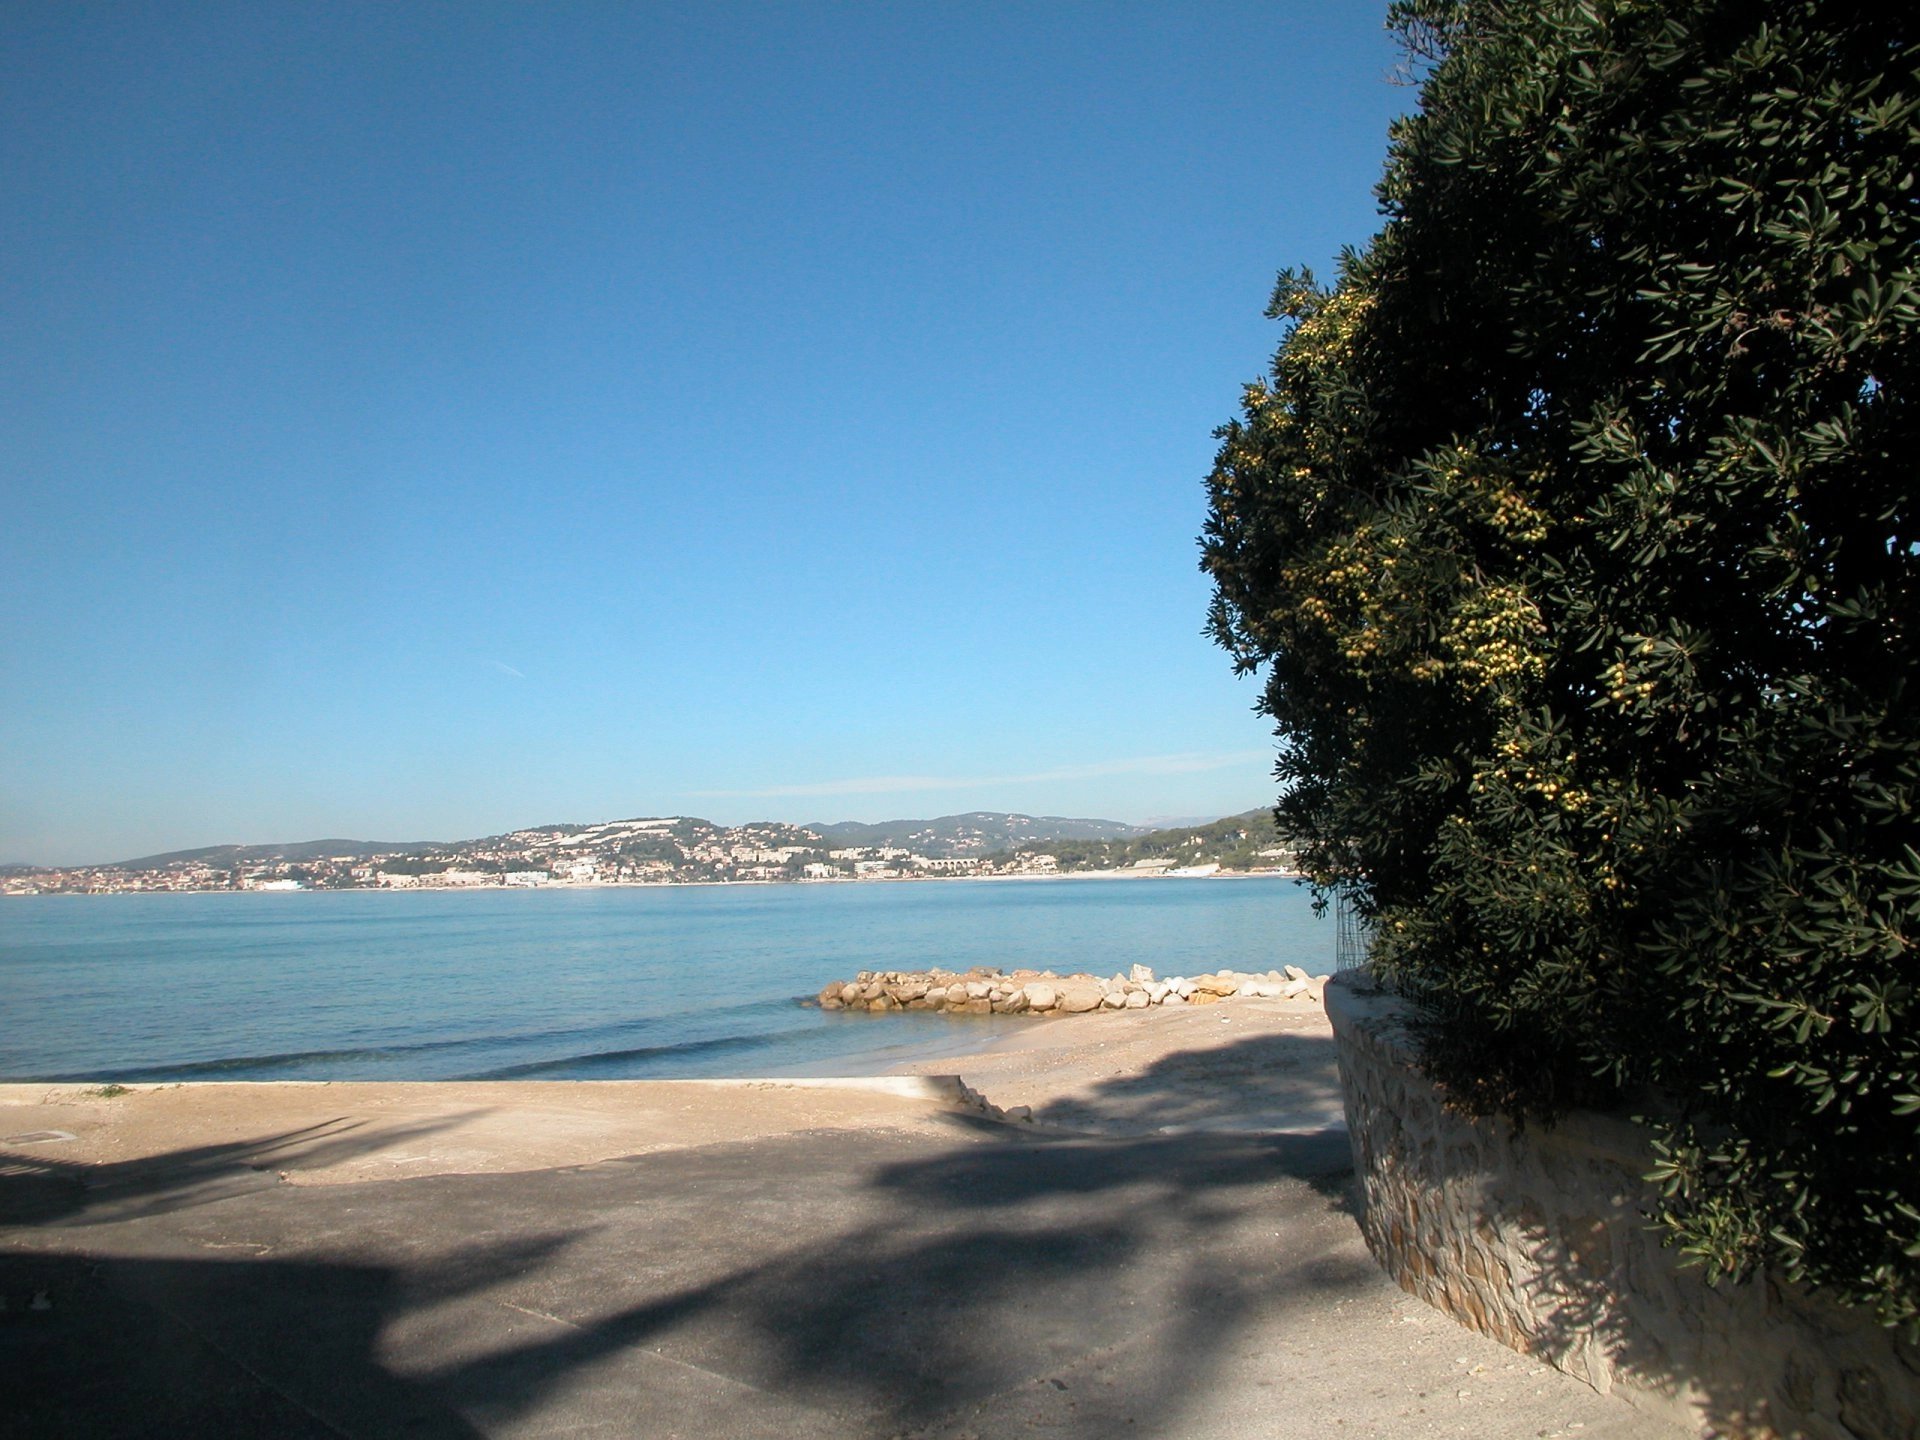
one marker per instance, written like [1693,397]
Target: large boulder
[1078,997]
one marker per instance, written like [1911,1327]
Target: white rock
[1137,1000]
[1042,997]
[1142,975]
[1294,972]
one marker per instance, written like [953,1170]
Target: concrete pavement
[941,1275]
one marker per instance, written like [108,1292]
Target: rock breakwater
[983,991]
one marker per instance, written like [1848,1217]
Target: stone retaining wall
[1041,992]
[1540,1241]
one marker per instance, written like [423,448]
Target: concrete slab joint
[1540,1240]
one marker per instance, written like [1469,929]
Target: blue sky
[420,421]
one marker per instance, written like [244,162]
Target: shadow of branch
[988,1275]
[1286,1081]
[37,1190]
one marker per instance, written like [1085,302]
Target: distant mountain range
[682,849]
[220,856]
[978,832]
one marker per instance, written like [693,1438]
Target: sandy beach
[1245,1065]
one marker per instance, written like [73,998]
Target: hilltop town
[682,850]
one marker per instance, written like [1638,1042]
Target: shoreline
[668,884]
[1245,1065]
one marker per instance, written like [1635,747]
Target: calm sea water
[573,984]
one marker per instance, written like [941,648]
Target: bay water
[591,984]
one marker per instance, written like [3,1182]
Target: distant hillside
[978,832]
[1247,841]
[218,856]
[683,849]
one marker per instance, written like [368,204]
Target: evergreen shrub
[1574,530]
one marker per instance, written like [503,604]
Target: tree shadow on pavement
[816,1285]
[1269,1082]
[183,1347]
[1079,1285]
[39,1188]
[980,1279]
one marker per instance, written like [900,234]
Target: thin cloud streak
[1189,764]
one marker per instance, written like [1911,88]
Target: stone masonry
[1540,1240]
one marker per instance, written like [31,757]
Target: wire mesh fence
[1352,936]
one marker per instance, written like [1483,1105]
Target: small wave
[226,1065]
[718,1045]
[230,1066]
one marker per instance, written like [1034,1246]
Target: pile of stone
[984,991]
